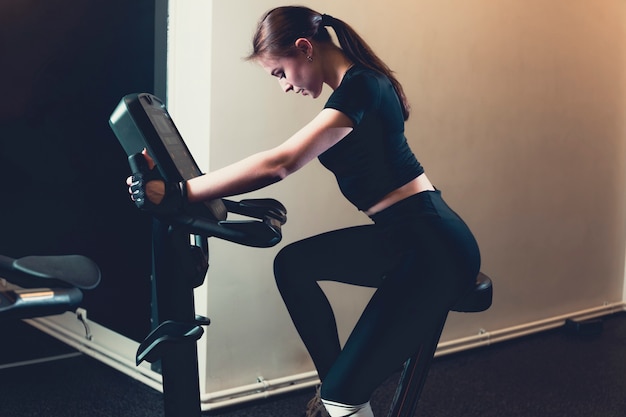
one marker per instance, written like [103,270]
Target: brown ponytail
[280,27]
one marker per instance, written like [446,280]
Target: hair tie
[327,20]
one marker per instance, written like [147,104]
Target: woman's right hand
[150,192]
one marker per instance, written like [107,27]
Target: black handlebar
[262,233]
[210,219]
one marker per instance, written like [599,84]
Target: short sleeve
[356,94]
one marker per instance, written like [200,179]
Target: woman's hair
[280,27]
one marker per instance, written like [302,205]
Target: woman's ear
[305,46]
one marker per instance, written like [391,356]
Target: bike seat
[478,298]
[44,271]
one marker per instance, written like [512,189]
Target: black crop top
[374,159]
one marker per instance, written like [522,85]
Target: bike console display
[141,121]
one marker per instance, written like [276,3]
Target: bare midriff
[417,185]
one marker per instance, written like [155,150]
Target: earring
[310,58]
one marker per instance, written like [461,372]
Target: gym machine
[44,285]
[180,246]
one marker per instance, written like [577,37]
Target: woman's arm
[268,167]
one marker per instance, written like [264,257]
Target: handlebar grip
[138,163]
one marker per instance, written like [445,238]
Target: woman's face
[295,73]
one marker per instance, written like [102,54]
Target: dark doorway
[65,66]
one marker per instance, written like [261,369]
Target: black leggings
[419,255]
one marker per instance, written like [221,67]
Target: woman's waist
[415,186]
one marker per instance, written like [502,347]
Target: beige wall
[518,116]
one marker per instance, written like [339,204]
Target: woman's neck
[336,64]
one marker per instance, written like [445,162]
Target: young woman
[417,252]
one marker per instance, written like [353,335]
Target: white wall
[518,116]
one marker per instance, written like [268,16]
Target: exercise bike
[180,246]
[37,286]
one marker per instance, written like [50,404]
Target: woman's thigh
[407,311]
[355,255]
